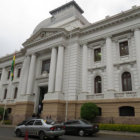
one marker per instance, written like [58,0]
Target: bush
[89,111]
[120,127]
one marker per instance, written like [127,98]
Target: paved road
[7,134]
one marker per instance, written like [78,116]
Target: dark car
[80,127]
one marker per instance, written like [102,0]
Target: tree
[1,113]
[89,111]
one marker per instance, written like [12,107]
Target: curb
[8,126]
[119,133]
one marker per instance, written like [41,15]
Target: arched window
[98,84]
[126,111]
[126,81]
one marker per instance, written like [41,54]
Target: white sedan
[39,127]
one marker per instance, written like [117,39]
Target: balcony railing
[113,95]
[126,94]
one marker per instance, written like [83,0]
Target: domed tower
[68,16]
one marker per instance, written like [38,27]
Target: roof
[65,6]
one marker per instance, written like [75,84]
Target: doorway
[43,91]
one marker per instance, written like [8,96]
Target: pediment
[44,33]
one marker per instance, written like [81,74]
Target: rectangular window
[5,93]
[8,77]
[15,94]
[124,48]
[45,66]
[18,73]
[0,76]
[97,54]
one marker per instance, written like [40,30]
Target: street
[8,134]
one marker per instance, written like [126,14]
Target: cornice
[130,62]
[96,68]
[10,56]
[111,21]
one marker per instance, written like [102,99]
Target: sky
[18,18]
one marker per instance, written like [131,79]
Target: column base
[54,96]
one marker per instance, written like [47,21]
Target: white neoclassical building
[68,61]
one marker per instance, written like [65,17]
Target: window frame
[125,53]
[5,94]
[96,91]
[9,74]
[129,110]
[15,92]
[18,72]
[128,80]
[43,67]
[95,59]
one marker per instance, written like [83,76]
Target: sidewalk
[105,132]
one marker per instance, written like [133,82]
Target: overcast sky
[18,18]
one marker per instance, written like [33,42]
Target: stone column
[59,69]
[31,74]
[109,64]
[137,42]
[52,70]
[84,69]
[24,76]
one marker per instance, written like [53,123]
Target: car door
[29,127]
[70,127]
[37,126]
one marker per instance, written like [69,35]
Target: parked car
[80,127]
[40,128]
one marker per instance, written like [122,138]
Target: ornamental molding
[45,34]
[130,62]
[123,36]
[111,21]
[97,43]
[97,68]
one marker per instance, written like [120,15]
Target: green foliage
[7,122]
[120,127]
[89,111]
[1,113]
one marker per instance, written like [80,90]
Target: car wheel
[18,133]
[42,136]
[81,133]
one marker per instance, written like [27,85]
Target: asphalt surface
[8,134]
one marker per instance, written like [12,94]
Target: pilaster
[52,71]
[109,64]
[137,42]
[24,76]
[59,69]
[31,74]
[84,69]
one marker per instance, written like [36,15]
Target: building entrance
[43,91]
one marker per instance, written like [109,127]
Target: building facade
[68,61]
